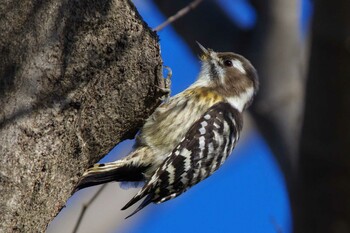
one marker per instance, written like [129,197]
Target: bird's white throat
[239,101]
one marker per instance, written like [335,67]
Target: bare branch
[178,15]
[276,225]
[85,206]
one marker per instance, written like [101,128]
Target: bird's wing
[201,152]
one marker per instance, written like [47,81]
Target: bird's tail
[121,170]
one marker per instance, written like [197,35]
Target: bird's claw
[165,91]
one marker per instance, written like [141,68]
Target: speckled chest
[165,128]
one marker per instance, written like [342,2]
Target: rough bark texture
[325,142]
[76,77]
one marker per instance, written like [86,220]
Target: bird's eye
[228,63]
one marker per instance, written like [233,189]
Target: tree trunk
[76,77]
[277,53]
[325,142]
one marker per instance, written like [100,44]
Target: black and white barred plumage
[202,151]
[190,136]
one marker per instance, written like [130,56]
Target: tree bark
[76,77]
[325,143]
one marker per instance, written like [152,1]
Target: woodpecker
[189,136]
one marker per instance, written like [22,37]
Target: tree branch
[178,15]
[86,206]
[324,163]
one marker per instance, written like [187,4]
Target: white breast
[238,102]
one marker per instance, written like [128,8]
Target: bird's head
[230,75]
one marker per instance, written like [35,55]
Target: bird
[189,136]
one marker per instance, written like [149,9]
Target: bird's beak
[206,53]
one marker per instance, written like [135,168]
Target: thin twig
[85,206]
[277,227]
[178,15]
